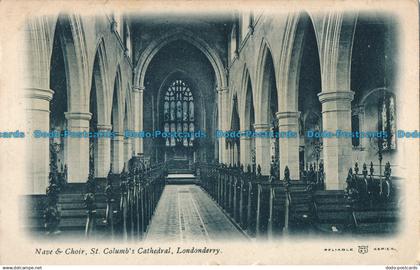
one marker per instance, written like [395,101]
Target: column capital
[222,90]
[39,93]
[359,108]
[78,115]
[104,127]
[283,115]
[139,89]
[325,97]
[119,134]
[244,138]
[262,126]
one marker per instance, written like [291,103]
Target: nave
[186,213]
[235,72]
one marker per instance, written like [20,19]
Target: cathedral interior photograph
[241,125]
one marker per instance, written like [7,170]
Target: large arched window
[178,113]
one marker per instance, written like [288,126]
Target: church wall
[267,32]
[269,29]
[149,29]
[195,67]
[374,74]
[334,77]
[86,33]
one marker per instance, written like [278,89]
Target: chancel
[160,88]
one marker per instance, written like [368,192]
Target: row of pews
[375,199]
[267,207]
[120,205]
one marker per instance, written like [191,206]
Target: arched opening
[269,108]
[215,158]
[59,83]
[233,44]
[269,83]
[93,127]
[127,143]
[96,106]
[117,143]
[181,69]
[373,79]
[249,126]
[233,144]
[309,85]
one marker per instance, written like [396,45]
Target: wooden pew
[332,212]
[374,200]
[301,208]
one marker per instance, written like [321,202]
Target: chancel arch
[154,47]
[177,67]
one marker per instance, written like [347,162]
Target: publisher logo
[363,249]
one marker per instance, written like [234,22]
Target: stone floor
[186,213]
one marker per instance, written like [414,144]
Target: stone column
[138,117]
[141,113]
[337,152]
[78,148]
[289,146]
[245,158]
[103,152]
[117,152]
[222,120]
[262,148]
[222,150]
[127,149]
[230,154]
[236,153]
[363,142]
[38,115]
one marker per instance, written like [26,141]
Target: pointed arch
[195,90]
[180,34]
[290,59]
[76,62]
[117,103]
[335,34]
[129,105]
[235,119]
[267,82]
[247,104]
[99,83]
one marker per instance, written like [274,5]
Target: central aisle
[185,213]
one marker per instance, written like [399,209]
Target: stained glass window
[178,112]
[387,121]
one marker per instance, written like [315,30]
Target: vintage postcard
[209,132]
